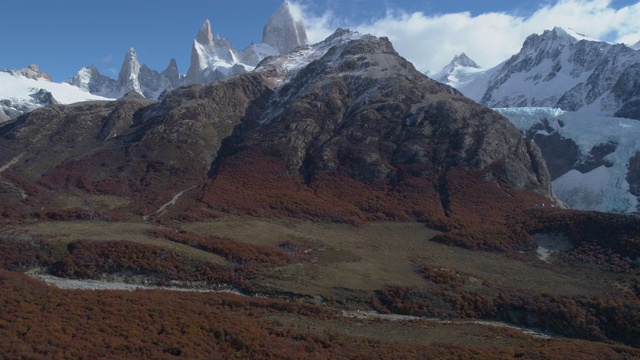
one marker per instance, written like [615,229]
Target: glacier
[604,188]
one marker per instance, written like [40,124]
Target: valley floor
[335,281]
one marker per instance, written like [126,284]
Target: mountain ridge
[212,58]
[358,114]
[558,68]
[560,78]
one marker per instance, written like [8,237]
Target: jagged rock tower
[284,30]
[128,77]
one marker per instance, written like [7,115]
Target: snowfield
[20,88]
[17,93]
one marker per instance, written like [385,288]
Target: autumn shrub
[43,322]
[489,238]
[93,259]
[239,253]
[610,240]
[612,317]
[23,252]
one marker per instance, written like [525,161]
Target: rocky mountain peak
[90,79]
[31,72]
[172,73]
[212,57]
[551,39]
[463,60]
[205,36]
[285,29]
[128,77]
[459,71]
[636,46]
[362,110]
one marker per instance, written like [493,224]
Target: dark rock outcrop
[627,92]
[561,154]
[633,176]
[363,103]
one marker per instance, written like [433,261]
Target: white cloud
[431,41]
[318,27]
[108,58]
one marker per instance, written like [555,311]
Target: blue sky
[64,35]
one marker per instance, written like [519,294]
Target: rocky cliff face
[373,104]
[212,58]
[627,91]
[172,73]
[128,79]
[356,124]
[90,79]
[284,30]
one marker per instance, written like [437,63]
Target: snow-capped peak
[212,58]
[551,39]
[571,34]
[558,68]
[285,29]
[461,70]
[283,68]
[464,61]
[636,46]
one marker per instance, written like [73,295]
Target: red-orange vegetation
[42,322]
[411,199]
[611,240]
[35,194]
[241,254]
[443,296]
[612,317]
[23,252]
[482,212]
[257,183]
[82,174]
[93,259]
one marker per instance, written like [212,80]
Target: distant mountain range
[560,69]
[212,58]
